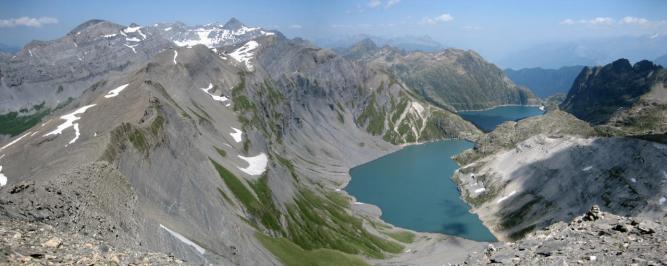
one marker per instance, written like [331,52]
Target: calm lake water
[487,120]
[414,189]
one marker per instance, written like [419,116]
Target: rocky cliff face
[602,95]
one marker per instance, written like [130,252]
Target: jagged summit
[233,24]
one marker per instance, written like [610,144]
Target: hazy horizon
[493,29]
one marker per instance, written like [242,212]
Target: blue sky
[490,27]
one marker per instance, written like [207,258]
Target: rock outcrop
[596,238]
[617,95]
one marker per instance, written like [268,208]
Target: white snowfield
[109,35]
[14,141]
[256,165]
[660,201]
[587,168]
[245,53]
[175,55]
[3,178]
[69,122]
[237,134]
[506,197]
[183,239]
[167,29]
[215,98]
[134,29]
[480,190]
[132,39]
[116,91]
[212,36]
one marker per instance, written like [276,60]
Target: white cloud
[390,3]
[432,21]
[568,22]
[374,3]
[27,22]
[472,28]
[601,21]
[295,26]
[627,20]
[634,20]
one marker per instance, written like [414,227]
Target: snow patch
[358,203]
[183,239]
[418,108]
[132,47]
[237,134]
[256,164]
[215,98]
[633,180]
[69,122]
[132,39]
[109,35]
[131,29]
[587,168]
[3,178]
[14,141]
[167,29]
[660,201]
[245,53]
[175,55]
[480,190]
[30,52]
[116,91]
[506,197]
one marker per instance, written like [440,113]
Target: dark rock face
[599,92]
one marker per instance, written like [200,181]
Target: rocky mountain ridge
[232,155]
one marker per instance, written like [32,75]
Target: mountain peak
[233,24]
[366,44]
[86,25]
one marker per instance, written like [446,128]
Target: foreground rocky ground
[596,238]
[40,244]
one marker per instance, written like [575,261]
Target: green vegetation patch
[374,117]
[222,152]
[15,123]
[290,166]
[293,255]
[261,208]
[316,222]
[402,236]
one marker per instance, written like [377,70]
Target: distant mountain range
[545,82]
[8,48]
[408,43]
[586,52]
[661,60]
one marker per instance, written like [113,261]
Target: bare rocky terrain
[595,238]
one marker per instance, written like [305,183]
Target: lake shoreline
[502,105]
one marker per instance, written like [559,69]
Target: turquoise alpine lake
[414,189]
[487,120]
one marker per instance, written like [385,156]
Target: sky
[491,27]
